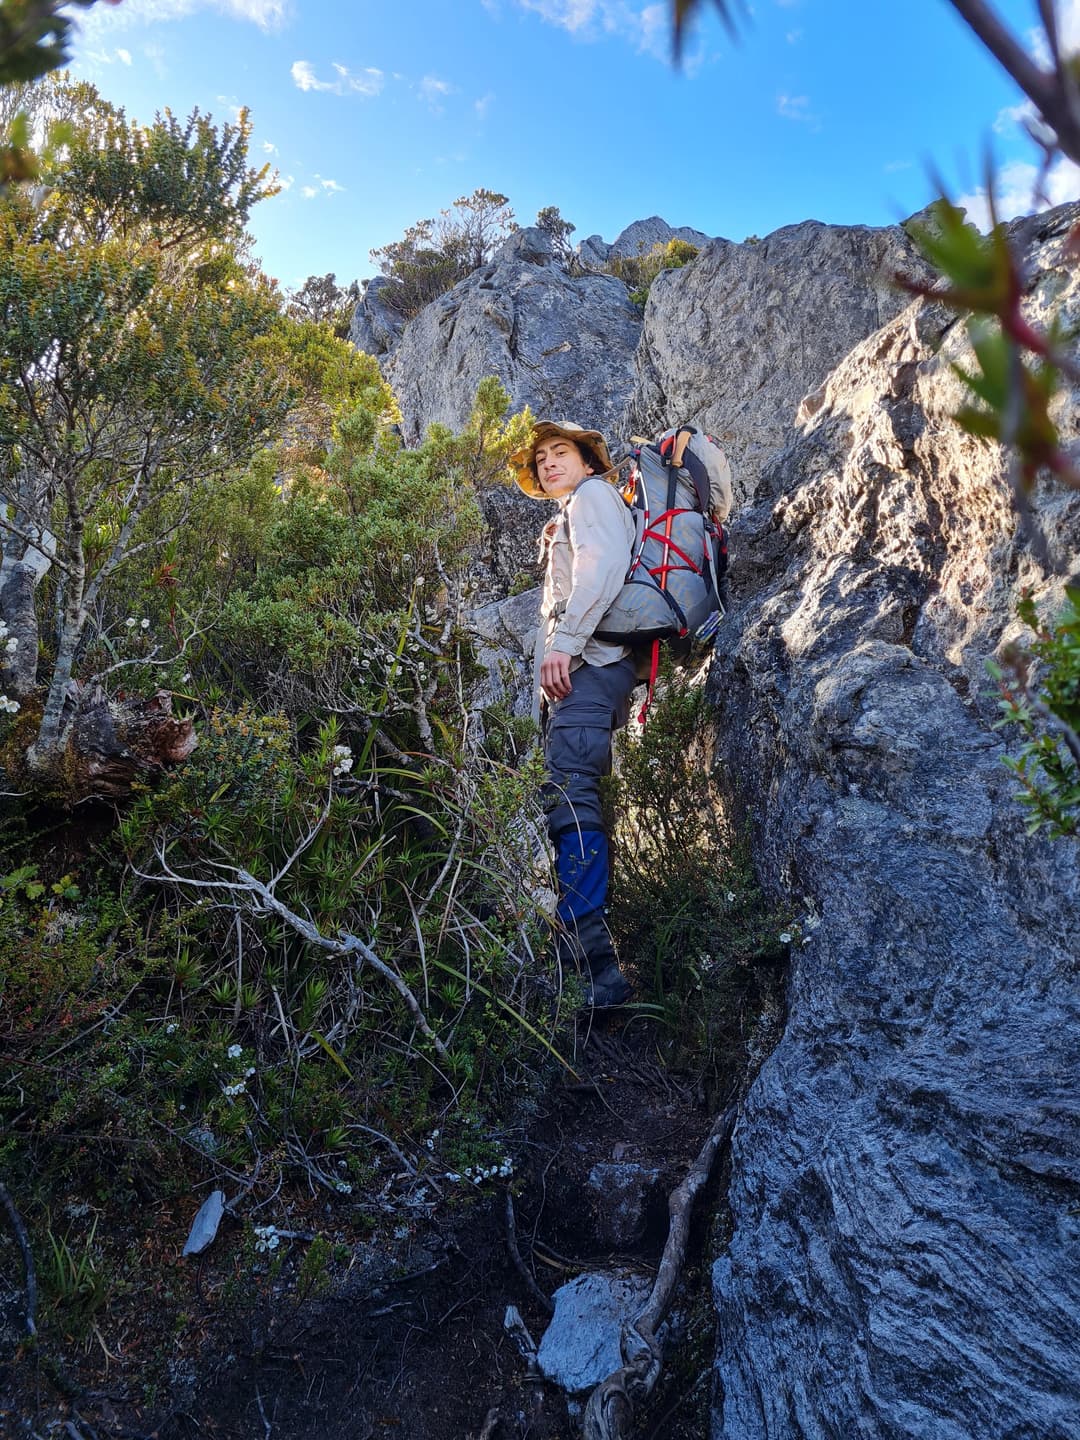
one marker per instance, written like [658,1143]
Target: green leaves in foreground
[1040,692]
[1019,367]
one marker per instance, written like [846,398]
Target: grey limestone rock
[733,341]
[906,1169]
[592,252]
[204,1227]
[562,344]
[376,326]
[581,1345]
[640,237]
[623,1190]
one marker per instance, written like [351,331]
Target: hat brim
[521,462]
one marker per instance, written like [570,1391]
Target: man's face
[560,467]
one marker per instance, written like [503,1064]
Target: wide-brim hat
[590,442]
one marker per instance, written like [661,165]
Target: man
[587,682]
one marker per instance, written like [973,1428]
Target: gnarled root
[610,1411]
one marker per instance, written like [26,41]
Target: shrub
[1040,693]
[639,271]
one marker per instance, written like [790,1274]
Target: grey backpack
[675,585]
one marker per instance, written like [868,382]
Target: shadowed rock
[907,1167]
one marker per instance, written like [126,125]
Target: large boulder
[376,326]
[562,344]
[733,341]
[906,1170]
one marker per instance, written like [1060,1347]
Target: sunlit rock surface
[732,342]
[906,1170]
[562,344]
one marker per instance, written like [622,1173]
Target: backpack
[675,589]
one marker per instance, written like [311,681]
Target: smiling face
[560,467]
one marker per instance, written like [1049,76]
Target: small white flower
[186,677]
[171,1028]
[144,623]
[401,1232]
[249,1072]
[234,1052]
[131,622]
[406,559]
[731,897]
[420,580]
[343,1187]
[785,937]
[11,646]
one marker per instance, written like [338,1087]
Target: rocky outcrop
[734,341]
[906,1170]
[561,344]
[640,237]
[376,326]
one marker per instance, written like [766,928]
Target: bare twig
[519,1264]
[609,1414]
[23,1240]
[263,899]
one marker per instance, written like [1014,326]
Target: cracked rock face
[906,1173]
[733,341]
[562,344]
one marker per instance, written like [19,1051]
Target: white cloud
[1068,26]
[332,186]
[483,105]
[1015,191]
[269,148]
[266,14]
[309,191]
[286,182]
[793,37]
[796,107]
[124,56]
[646,27]
[432,89]
[365,82]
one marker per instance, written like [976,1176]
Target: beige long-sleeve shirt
[588,548]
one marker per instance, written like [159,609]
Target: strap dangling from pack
[654,667]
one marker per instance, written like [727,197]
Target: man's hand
[555,675]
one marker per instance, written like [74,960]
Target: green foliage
[324,301]
[638,272]
[1019,368]
[433,255]
[34,37]
[140,357]
[686,910]
[550,220]
[1040,693]
[338,769]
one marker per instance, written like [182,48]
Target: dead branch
[519,1264]
[609,1414]
[264,900]
[29,1273]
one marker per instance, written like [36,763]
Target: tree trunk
[107,746]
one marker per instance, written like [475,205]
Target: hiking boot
[608,990]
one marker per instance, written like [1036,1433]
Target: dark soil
[409,1344]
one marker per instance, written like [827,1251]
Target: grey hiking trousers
[577,744]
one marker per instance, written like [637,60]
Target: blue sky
[377,113]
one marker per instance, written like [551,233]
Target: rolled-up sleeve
[601,534]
